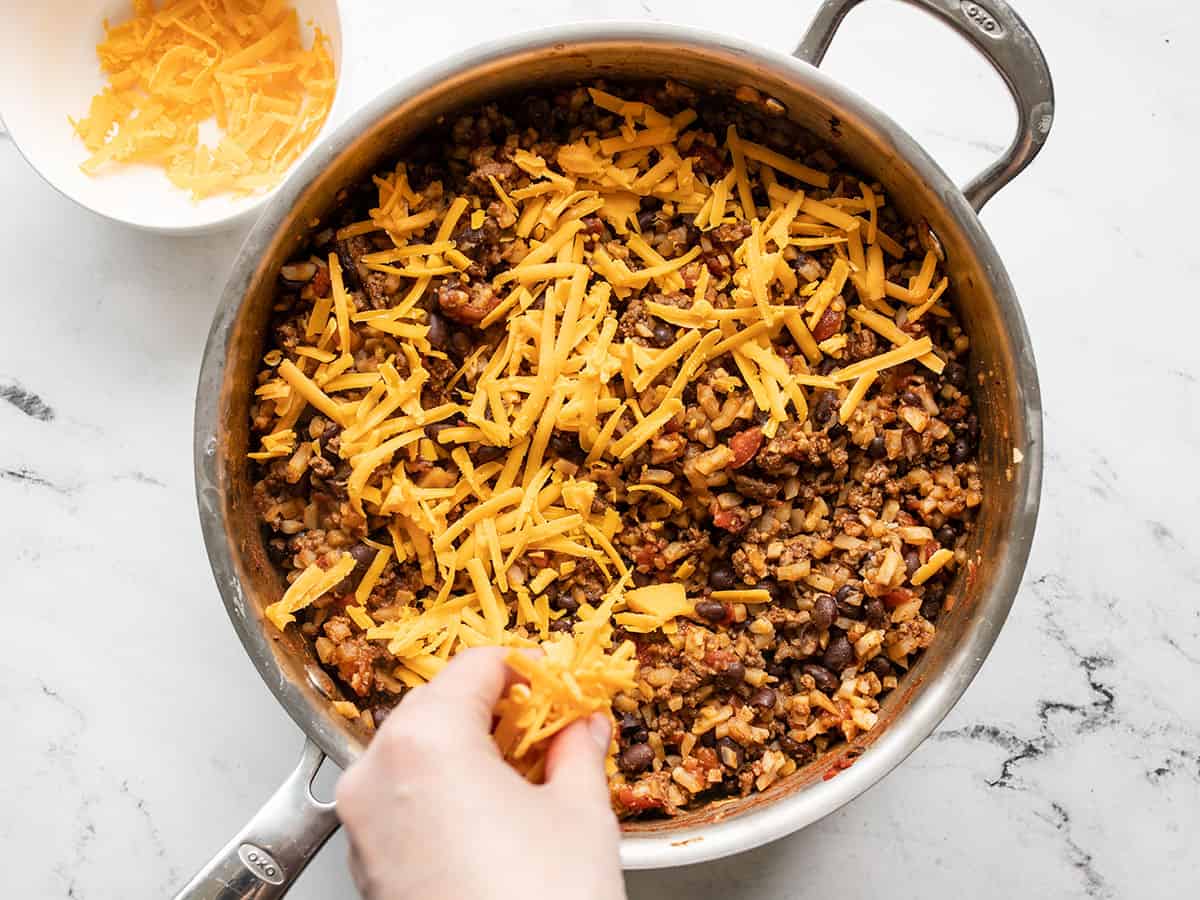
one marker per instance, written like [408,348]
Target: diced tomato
[636,802]
[719,659]
[732,520]
[321,283]
[644,558]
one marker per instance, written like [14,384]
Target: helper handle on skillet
[271,851]
[996,31]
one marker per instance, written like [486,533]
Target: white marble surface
[137,736]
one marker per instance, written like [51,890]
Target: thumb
[575,762]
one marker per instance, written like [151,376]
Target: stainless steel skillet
[264,858]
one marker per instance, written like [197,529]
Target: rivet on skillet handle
[996,31]
[271,851]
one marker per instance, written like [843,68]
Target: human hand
[433,811]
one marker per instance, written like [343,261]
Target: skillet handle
[271,851]
[996,31]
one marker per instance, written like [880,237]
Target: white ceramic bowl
[49,71]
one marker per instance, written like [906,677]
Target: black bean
[946,535]
[363,555]
[802,753]
[664,334]
[909,398]
[732,675]
[379,714]
[712,610]
[565,601]
[825,408]
[876,613]
[331,431]
[931,607]
[877,448]
[433,429]
[566,446]
[763,698]
[778,592]
[960,452]
[566,624]
[836,430]
[824,611]
[633,730]
[731,753]
[849,604]
[438,332]
[637,758]
[838,654]
[912,562]
[845,592]
[709,738]
[277,552]
[881,667]
[721,577]
[487,453]
[955,374]
[777,670]
[460,344]
[826,681]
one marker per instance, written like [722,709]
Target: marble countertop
[138,737]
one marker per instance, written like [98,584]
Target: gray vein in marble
[1099,713]
[27,476]
[141,478]
[1176,551]
[160,849]
[26,401]
[30,477]
[1094,884]
[64,749]
[1171,642]
[1179,762]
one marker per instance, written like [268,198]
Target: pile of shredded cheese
[573,677]
[238,62]
[483,543]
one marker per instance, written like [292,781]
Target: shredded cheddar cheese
[240,63]
[577,674]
